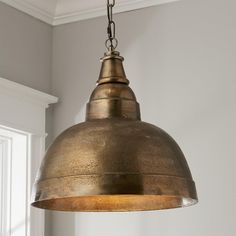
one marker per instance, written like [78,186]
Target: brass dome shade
[113,161]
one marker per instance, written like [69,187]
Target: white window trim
[23,108]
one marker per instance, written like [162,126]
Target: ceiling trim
[92,13]
[78,15]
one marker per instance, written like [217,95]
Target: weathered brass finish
[114,161]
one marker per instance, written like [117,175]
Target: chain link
[111,42]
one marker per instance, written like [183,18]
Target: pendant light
[113,161]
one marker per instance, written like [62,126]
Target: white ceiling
[56,12]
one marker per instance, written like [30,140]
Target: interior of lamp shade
[115,203]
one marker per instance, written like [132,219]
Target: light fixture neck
[112,70]
[112,98]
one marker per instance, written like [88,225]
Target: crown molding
[101,11]
[78,14]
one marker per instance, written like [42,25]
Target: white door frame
[23,108]
[5,180]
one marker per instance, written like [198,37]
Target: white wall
[180,59]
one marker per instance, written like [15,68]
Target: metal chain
[111,42]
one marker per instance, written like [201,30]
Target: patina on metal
[113,161]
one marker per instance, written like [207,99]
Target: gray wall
[25,49]
[180,59]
